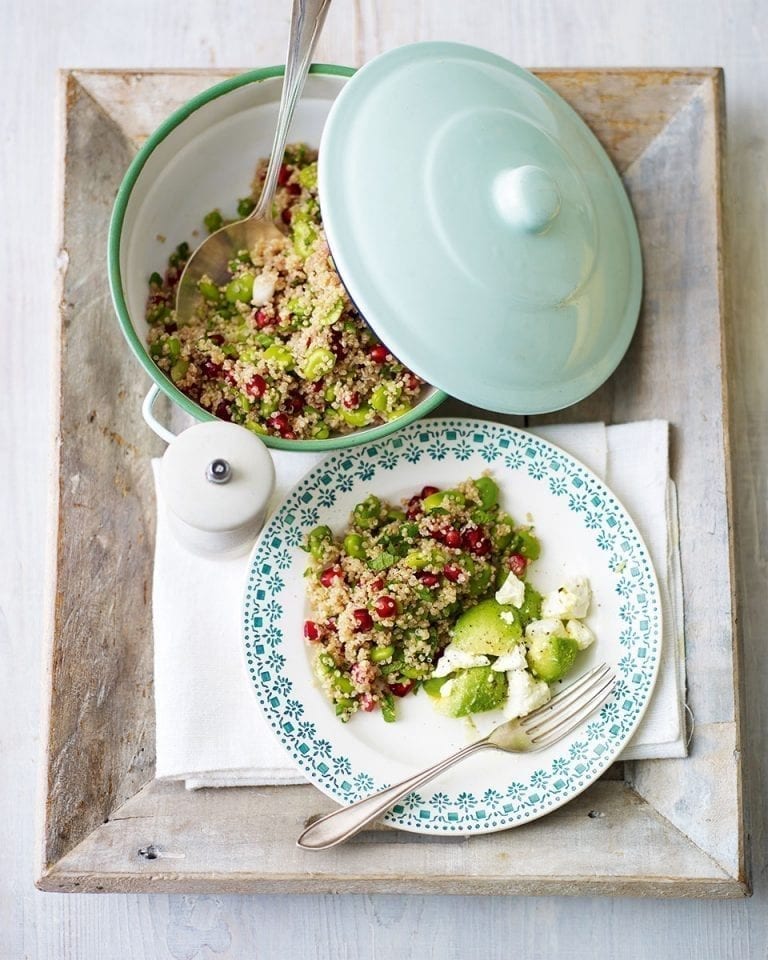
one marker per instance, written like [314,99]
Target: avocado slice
[531,608]
[550,658]
[482,630]
[473,691]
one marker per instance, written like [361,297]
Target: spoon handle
[347,821]
[306,22]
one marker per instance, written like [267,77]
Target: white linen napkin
[208,730]
[638,473]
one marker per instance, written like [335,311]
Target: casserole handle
[149,417]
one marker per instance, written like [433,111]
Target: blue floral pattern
[326,498]
[562,773]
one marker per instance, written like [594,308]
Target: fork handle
[347,821]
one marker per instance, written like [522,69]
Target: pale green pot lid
[480,227]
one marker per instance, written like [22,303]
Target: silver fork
[539,729]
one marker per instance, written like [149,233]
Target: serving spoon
[212,257]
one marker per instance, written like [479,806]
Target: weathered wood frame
[669,828]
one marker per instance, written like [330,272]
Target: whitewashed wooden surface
[36,38]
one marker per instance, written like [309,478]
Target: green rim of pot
[116,282]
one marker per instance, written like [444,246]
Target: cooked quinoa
[386,593]
[279,348]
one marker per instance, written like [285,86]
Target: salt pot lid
[217,478]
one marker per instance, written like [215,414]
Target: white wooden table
[37,39]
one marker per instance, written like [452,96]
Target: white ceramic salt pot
[216,480]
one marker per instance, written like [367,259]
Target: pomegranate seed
[368,703]
[285,216]
[288,435]
[256,386]
[482,548]
[517,564]
[294,403]
[428,579]
[379,353]
[452,538]
[311,631]
[352,400]
[428,491]
[279,422]
[262,320]
[284,175]
[438,533]
[413,509]
[401,689]
[230,377]
[217,338]
[329,575]
[385,607]
[377,585]
[470,535]
[222,411]
[294,189]
[363,619]
[477,542]
[212,370]
[453,572]
[412,382]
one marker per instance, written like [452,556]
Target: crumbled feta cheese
[512,591]
[570,601]
[545,628]
[581,633]
[263,289]
[453,659]
[525,694]
[514,660]
[507,616]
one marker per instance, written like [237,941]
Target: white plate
[583,530]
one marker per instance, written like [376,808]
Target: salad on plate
[436,594]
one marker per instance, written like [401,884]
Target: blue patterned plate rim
[276,663]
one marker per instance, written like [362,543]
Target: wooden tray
[669,828]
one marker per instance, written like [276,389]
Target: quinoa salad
[279,348]
[433,594]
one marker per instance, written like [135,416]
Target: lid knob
[527,198]
[218,471]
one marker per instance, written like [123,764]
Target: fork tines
[565,711]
